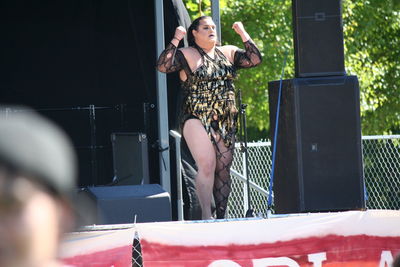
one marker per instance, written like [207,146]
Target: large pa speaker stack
[318,163]
[319,160]
[318,38]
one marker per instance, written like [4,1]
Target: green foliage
[197,8]
[372,42]
[269,25]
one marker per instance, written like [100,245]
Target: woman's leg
[222,181]
[203,153]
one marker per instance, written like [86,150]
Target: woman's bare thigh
[199,144]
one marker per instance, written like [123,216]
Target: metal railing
[381,163]
[178,163]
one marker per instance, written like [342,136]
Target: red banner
[346,239]
[100,248]
[355,238]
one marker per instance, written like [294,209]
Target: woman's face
[206,32]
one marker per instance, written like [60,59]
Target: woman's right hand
[180,32]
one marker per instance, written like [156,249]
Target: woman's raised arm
[251,56]
[169,61]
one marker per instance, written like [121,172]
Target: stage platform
[351,238]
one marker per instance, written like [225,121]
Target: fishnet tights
[222,180]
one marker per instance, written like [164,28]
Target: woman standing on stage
[209,115]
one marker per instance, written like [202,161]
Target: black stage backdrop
[73,59]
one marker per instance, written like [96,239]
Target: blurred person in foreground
[37,173]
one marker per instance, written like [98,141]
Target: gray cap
[37,148]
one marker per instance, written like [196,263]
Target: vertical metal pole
[246,203]
[216,17]
[162,104]
[93,144]
[179,201]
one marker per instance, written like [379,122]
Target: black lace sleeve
[170,59]
[250,57]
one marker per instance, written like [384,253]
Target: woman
[209,115]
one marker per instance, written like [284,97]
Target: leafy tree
[372,41]
[269,25]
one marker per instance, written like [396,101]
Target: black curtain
[70,58]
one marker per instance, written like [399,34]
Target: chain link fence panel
[381,156]
[381,161]
[259,161]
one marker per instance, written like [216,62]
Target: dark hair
[194,26]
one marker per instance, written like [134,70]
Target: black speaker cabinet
[130,158]
[120,204]
[318,159]
[318,38]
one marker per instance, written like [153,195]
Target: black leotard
[209,92]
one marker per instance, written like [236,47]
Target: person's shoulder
[187,49]
[228,48]
[189,52]
[228,51]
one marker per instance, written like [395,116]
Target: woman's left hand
[238,27]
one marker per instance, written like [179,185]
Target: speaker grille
[319,159]
[130,158]
[318,38]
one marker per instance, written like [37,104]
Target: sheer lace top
[172,59]
[208,92]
